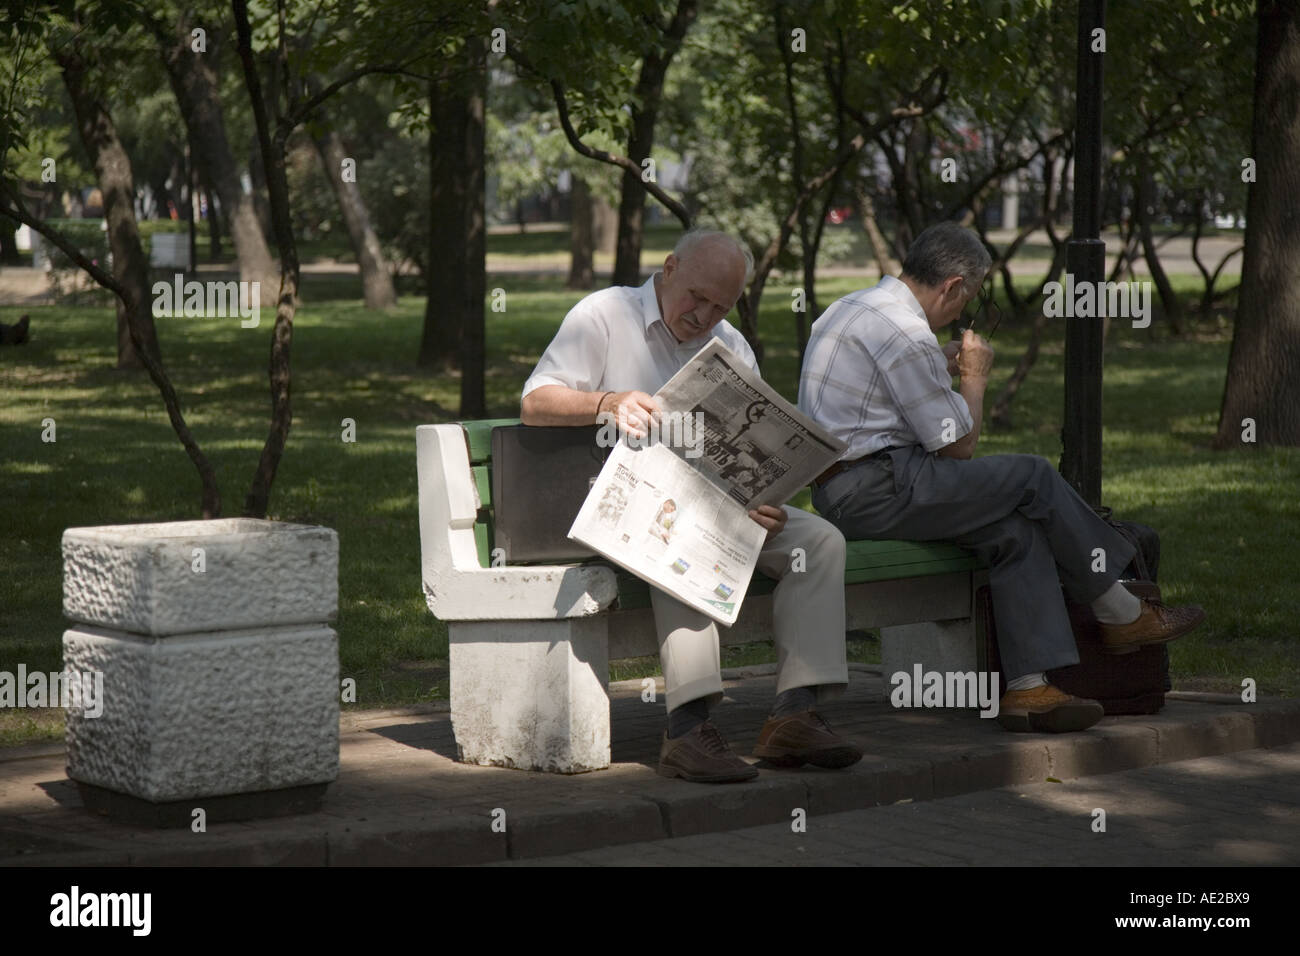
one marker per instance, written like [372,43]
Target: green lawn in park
[1227,519]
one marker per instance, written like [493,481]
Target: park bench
[530,645]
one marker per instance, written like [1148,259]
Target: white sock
[1117,606]
[1028,682]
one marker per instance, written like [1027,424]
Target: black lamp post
[1086,261]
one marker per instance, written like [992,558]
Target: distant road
[20,286]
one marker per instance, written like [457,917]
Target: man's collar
[650,303]
[899,290]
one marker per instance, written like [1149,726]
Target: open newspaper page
[673,509]
[655,515]
[756,446]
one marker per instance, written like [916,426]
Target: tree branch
[613,159]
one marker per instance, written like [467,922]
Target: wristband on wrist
[600,403]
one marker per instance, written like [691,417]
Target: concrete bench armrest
[456,586]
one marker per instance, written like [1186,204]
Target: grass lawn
[1227,519]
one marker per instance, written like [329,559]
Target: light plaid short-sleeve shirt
[875,376]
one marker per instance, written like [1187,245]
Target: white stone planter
[216,682]
[141,578]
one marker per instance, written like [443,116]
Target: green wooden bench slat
[479,435]
[483,481]
[483,539]
[634,593]
[898,571]
[871,552]
[901,559]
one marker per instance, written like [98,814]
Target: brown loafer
[1047,709]
[1157,624]
[703,756]
[797,739]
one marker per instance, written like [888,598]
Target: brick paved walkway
[401,797]
[1240,809]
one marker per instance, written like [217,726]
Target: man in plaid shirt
[875,376]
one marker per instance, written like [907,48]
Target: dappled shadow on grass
[1224,518]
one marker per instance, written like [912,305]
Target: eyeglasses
[987,305]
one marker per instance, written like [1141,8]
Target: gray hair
[691,239]
[944,250]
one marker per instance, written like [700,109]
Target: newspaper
[673,509]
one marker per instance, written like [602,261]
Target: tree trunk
[605,224]
[582,236]
[457,267]
[279,372]
[1000,410]
[113,170]
[1263,382]
[885,261]
[473,344]
[214,225]
[648,93]
[376,282]
[195,84]
[257,178]
[1208,296]
[9,253]
[1142,201]
[192,205]
[916,150]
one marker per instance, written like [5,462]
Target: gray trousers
[1014,511]
[807,620]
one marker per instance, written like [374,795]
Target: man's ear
[952,286]
[670,265]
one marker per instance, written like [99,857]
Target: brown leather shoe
[1047,709]
[1157,624]
[703,756]
[797,739]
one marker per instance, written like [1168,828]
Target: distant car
[1230,222]
[839,214]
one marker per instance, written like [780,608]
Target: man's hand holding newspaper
[693,488]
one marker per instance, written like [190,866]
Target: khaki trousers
[807,619]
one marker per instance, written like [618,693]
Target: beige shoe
[1047,709]
[1157,624]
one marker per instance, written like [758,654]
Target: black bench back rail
[540,478]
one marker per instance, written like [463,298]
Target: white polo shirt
[874,375]
[616,340]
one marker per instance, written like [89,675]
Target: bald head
[703,277]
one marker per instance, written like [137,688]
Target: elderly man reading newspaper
[614,350]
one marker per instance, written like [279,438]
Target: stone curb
[652,808]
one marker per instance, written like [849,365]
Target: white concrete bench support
[533,697]
[529,659]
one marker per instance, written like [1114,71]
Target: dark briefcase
[1122,683]
[1132,683]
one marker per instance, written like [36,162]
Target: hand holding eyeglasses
[975,359]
